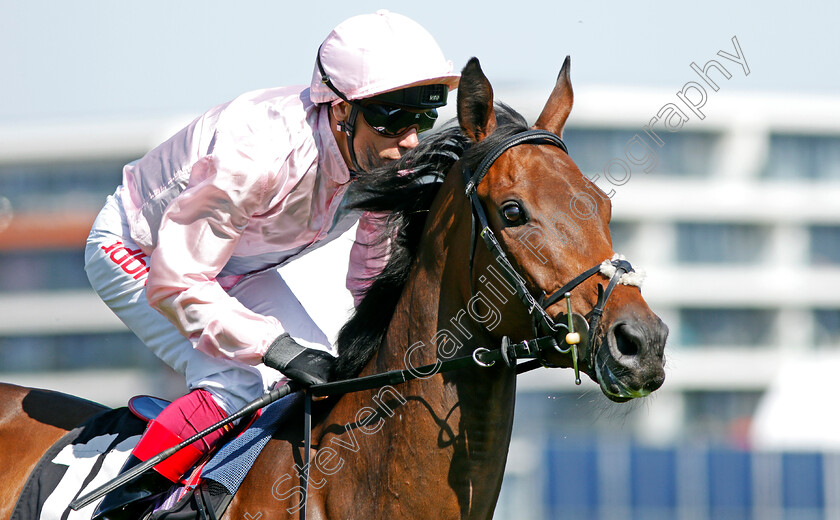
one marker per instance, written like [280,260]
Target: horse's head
[553,225]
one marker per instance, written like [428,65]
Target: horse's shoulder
[31,420]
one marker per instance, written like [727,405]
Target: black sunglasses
[390,121]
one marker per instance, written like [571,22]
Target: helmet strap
[325,79]
[348,126]
[349,129]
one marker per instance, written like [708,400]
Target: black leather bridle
[537,307]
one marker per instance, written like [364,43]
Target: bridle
[537,307]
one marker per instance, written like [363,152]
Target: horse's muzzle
[630,362]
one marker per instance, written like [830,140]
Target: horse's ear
[475,102]
[559,104]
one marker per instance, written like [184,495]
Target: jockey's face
[372,148]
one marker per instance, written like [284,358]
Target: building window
[68,352]
[43,270]
[827,327]
[715,243]
[723,416]
[825,245]
[623,235]
[683,154]
[721,327]
[803,157]
[48,187]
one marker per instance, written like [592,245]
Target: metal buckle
[478,361]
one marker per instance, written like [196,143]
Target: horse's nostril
[626,342]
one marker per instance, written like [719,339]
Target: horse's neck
[466,415]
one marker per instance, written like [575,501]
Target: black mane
[406,190]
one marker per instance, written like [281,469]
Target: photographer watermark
[640,150]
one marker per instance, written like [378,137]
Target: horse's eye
[513,213]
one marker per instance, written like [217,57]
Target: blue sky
[97,59]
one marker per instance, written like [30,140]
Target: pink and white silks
[200,225]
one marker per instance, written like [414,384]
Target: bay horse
[436,446]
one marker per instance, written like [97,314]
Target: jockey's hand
[307,366]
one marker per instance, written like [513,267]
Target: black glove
[307,366]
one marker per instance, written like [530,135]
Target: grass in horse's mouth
[612,387]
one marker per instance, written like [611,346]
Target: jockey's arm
[368,255]
[198,234]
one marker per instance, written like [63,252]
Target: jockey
[186,251]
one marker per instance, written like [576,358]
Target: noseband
[537,307]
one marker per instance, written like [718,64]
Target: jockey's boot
[182,419]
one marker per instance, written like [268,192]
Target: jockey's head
[384,77]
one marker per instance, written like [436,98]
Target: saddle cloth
[93,453]
[82,460]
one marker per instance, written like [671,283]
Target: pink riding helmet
[375,53]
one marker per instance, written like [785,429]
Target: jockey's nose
[409,140]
